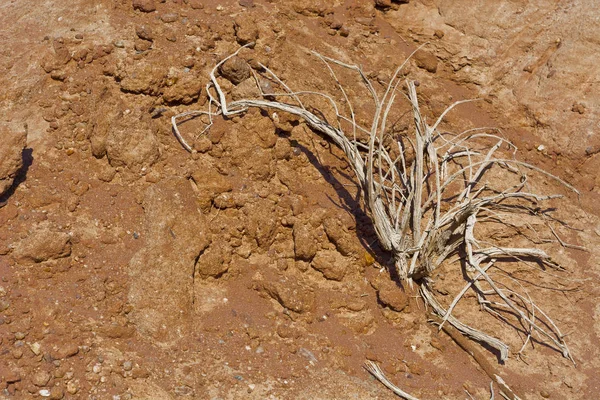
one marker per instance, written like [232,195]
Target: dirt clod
[131,143]
[11,159]
[426,60]
[208,185]
[65,350]
[57,393]
[305,241]
[41,378]
[214,262]
[246,30]
[185,91]
[144,5]
[42,245]
[390,295]
[290,293]
[169,17]
[578,108]
[339,235]
[331,264]
[144,32]
[196,4]
[236,70]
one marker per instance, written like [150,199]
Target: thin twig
[378,373]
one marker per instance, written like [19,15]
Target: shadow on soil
[27,156]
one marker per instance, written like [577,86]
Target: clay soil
[133,269]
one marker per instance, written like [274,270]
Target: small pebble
[144,32]
[35,348]
[44,393]
[169,17]
[119,44]
[127,365]
[541,147]
[578,108]
[19,336]
[41,378]
[72,387]
[189,62]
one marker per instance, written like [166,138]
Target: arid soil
[133,269]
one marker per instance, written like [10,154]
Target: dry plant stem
[481,360]
[462,328]
[404,194]
[378,373]
[374,370]
[462,293]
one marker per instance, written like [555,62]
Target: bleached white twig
[374,370]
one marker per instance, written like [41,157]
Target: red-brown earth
[131,268]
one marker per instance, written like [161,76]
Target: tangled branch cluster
[425,191]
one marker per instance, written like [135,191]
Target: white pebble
[35,348]
[44,393]
[541,147]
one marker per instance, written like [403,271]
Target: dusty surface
[132,269]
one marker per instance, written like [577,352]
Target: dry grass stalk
[425,194]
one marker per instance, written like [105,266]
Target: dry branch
[425,195]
